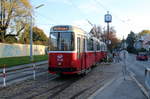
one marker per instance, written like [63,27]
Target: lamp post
[31,34]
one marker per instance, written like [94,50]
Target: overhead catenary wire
[47,18]
[114,14]
[93,26]
[43,3]
[107,9]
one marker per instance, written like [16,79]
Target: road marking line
[102,88]
[139,84]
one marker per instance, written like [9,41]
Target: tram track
[33,86]
[54,91]
[49,86]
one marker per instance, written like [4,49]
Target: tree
[14,15]
[143,32]
[96,31]
[130,42]
[112,37]
[39,36]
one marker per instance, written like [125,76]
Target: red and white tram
[73,51]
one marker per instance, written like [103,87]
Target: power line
[106,9]
[81,14]
[46,18]
[101,5]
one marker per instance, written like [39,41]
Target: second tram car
[73,51]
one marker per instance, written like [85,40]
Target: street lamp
[31,33]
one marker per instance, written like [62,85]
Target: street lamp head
[107,12]
[41,5]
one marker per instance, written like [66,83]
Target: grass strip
[14,61]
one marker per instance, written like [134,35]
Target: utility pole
[31,39]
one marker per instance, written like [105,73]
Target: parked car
[142,56]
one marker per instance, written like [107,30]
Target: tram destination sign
[60,28]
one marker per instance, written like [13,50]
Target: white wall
[11,50]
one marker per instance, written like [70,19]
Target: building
[143,42]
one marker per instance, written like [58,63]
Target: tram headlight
[59,63]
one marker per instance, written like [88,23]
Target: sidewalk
[120,89]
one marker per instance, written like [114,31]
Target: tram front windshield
[61,41]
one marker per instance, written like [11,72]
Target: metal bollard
[147,80]
[4,75]
[147,77]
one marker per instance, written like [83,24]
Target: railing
[4,72]
[147,80]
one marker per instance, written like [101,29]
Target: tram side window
[84,45]
[105,48]
[102,47]
[78,47]
[90,46]
[98,46]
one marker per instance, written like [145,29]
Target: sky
[127,15]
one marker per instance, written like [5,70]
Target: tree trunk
[2,35]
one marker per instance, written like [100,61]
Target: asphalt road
[138,68]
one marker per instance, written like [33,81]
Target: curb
[139,84]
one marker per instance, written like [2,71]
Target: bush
[107,60]
[141,50]
[131,50]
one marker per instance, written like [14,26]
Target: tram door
[82,48]
[84,55]
[95,48]
[81,52]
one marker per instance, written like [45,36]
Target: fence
[12,50]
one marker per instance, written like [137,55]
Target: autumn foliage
[14,15]
[112,37]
